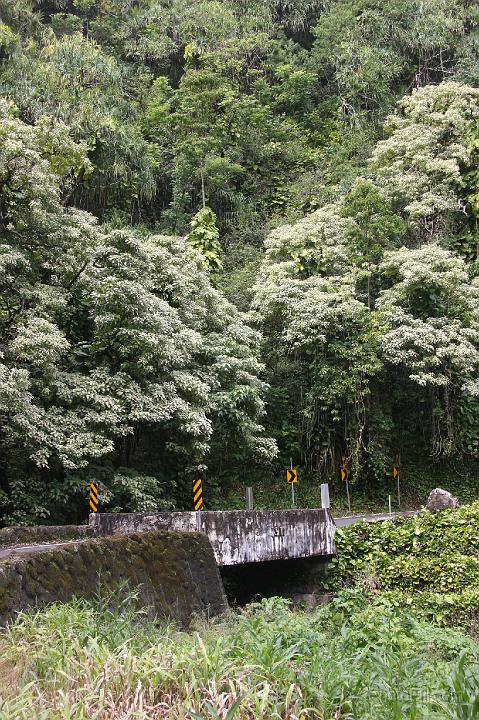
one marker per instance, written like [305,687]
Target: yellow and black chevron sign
[197,494]
[291,475]
[397,465]
[93,497]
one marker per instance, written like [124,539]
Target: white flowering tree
[428,164]
[370,334]
[114,346]
[321,345]
[430,319]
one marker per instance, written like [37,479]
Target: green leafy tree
[204,236]
[375,228]
[359,331]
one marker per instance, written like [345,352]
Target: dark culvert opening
[298,579]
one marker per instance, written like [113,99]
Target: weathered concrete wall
[238,537]
[176,573]
[43,534]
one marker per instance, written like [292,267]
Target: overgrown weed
[85,660]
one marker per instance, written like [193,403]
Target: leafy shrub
[429,563]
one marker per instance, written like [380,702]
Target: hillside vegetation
[376,651]
[263,663]
[428,564]
[235,234]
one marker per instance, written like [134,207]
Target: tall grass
[87,660]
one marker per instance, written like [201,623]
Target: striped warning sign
[292,475]
[397,465]
[197,494]
[93,497]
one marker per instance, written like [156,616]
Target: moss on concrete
[176,574]
[11,536]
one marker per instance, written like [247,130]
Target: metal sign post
[344,478]
[292,478]
[396,474]
[292,484]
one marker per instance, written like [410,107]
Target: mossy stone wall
[176,574]
[36,534]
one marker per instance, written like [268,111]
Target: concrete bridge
[237,537]
[173,558]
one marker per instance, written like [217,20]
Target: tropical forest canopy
[233,233]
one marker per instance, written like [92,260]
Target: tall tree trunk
[202,172]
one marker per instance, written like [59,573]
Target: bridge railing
[237,536]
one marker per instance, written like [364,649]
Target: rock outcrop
[440,499]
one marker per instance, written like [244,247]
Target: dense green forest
[234,233]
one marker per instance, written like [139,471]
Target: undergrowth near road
[428,563]
[417,481]
[345,661]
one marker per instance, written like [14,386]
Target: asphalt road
[377,517]
[25,549]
